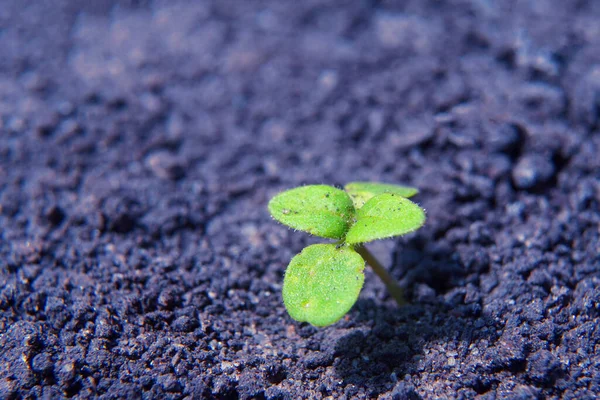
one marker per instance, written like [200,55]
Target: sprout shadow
[398,337]
[443,321]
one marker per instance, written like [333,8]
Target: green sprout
[323,282]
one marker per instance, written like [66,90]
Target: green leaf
[318,209]
[322,283]
[361,192]
[384,216]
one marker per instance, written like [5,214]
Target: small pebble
[532,170]
[165,165]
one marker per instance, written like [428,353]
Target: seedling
[323,282]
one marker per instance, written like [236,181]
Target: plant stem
[390,283]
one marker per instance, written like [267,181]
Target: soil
[140,142]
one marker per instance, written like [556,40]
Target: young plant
[323,282]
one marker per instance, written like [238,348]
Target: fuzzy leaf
[384,216]
[322,283]
[318,209]
[361,192]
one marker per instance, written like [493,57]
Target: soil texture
[140,142]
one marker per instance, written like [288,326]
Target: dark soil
[140,142]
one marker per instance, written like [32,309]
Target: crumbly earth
[140,142]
